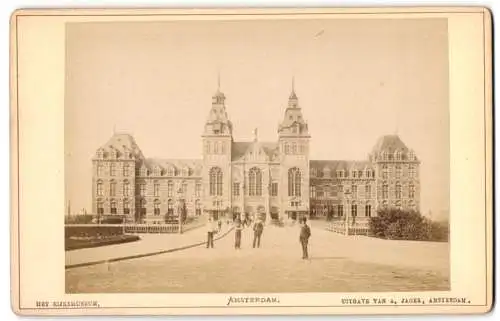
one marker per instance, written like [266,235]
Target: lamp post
[347,195]
[179,208]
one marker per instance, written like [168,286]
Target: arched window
[385,191]
[255,182]
[126,207]
[113,206]
[215,181]
[157,207]
[368,210]
[354,210]
[100,207]
[112,188]
[294,182]
[99,190]
[170,188]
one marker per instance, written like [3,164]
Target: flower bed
[82,242]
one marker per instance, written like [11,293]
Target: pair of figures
[258,228]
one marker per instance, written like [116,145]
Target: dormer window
[171,171]
[385,156]
[398,155]
[185,171]
[144,171]
[411,155]
[157,171]
[100,153]
[354,174]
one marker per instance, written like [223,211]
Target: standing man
[210,233]
[258,228]
[305,233]
[237,233]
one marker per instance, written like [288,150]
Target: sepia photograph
[257,156]
[208,160]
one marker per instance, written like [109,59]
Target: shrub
[396,224]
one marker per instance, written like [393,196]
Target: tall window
[287,148]
[385,172]
[197,190]
[411,171]
[312,191]
[412,191]
[354,174]
[170,188]
[354,189]
[274,189]
[398,155]
[340,210]
[100,168]
[171,171]
[157,207]
[319,192]
[100,207]
[341,188]
[385,191]
[197,207]
[294,148]
[411,155]
[112,188]
[126,207]
[99,188]
[368,173]
[354,210]
[294,184]
[398,171]
[215,181]
[126,169]
[255,182]
[360,174]
[236,189]
[126,188]
[113,206]
[142,189]
[368,191]
[184,188]
[398,190]
[368,210]
[112,169]
[143,207]
[156,189]
[170,208]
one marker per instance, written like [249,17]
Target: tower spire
[293,83]
[218,80]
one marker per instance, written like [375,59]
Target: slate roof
[389,143]
[336,165]
[121,143]
[240,148]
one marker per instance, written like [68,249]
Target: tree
[398,224]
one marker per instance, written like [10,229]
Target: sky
[356,80]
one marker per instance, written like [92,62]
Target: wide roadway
[337,264]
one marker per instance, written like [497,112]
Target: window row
[369,173]
[339,210]
[126,169]
[158,171]
[332,191]
[142,207]
[216,147]
[398,191]
[255,188]
[143,188]
[294,148]
[113,154]
[398,156]
[398,171]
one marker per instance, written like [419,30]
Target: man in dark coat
[258,228]
[305,234]
[237,234]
